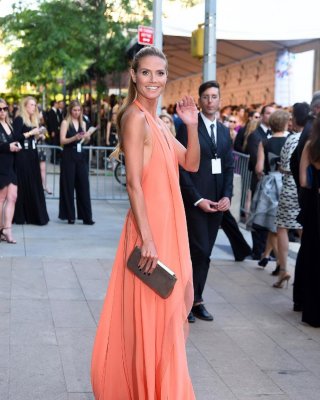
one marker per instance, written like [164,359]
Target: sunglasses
[3,109]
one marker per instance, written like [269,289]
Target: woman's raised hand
[187,110]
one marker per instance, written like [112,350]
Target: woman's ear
[133,75]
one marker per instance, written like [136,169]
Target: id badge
[216,166]
[79,147]
[33,144]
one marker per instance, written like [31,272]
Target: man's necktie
[213,138]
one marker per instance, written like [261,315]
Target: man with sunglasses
[206,193]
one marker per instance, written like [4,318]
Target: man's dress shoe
[200,312]
[191,318]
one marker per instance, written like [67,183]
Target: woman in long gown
[31,204]
[310,219]
[74,170]
[139,351]
[8,178]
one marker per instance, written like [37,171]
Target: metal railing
[107,177]
[241,167]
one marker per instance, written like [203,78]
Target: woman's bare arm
[260,161]
[136,142]
[188,158]
[304,163]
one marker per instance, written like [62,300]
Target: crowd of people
[269,134]
[187,152]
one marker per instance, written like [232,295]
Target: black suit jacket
[204,184]
[53,123]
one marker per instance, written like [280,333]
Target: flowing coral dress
[139,351]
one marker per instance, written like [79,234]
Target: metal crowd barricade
[241,167]
[107,176]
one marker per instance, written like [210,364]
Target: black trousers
[202,230]
[74,176]
[239,246]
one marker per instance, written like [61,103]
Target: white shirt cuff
[197,202]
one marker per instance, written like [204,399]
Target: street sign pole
[210,42]
[157,25]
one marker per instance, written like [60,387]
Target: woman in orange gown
[139,351]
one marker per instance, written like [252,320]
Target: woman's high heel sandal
[284,278]
[5,237]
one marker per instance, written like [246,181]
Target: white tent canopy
[250,20]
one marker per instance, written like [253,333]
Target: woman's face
[151,77]
[3,111]
[75,112]
[166,120]
[31,107]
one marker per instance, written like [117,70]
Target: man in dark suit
[53,125]
[206,193]
[261,134]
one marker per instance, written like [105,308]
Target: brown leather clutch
[162,279]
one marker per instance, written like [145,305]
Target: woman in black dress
[310,220]
[74,174]
[268,160]
[8,178]
[31,205]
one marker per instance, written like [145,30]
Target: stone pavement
[52,284]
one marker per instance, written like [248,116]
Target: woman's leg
[9,210]
[3,196]
[268,248]
[283,247]
[43,174]
[274,243]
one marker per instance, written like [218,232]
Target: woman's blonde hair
[132,91]
[7,119]
[172,127]
[73,104]
[33,120]
[250,128]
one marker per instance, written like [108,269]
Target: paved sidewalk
[52,284]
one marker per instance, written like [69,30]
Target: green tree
[64,39]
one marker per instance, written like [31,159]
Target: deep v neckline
[4,129]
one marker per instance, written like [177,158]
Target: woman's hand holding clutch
[149,257]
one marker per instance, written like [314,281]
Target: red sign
[145,35]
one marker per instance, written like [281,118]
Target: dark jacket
[204,184]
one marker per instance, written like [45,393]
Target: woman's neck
[149,105]
[278,134]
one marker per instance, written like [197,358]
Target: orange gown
[139,351]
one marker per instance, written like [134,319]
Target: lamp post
[210,42]
[158,38]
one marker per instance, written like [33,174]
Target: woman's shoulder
[133,117]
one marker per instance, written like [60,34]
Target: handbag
[161,280]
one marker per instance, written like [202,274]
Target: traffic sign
[145,35]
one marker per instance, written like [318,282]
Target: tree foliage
[62,39]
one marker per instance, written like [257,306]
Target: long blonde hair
[132,91]
[34,120]
[7,119]
[251,127]
[73,104]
